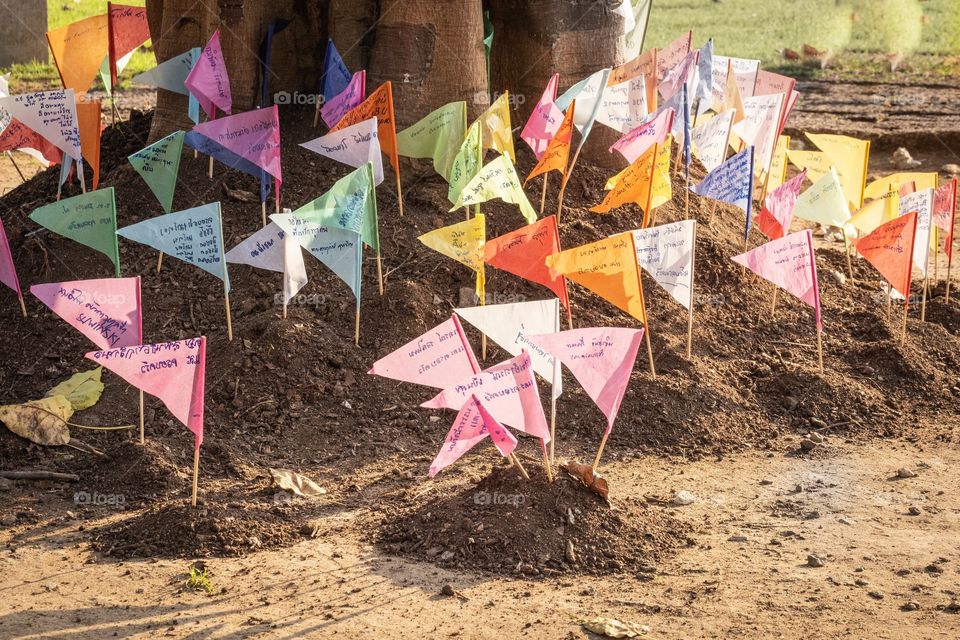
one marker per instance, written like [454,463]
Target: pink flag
[252,135]
[473,424]
[653,131]
[944,213]
[208,80]
[789,263]
[545,119]
[8,272]
[600,358]
[679,75]
[673,54]
[508,390]
[355,93]
[435,359]
[171,371]
[106,311]
[777,212]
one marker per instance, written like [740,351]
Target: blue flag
[703,96]
[336,77]
[266,47]
[221,154]
[731,182]
[192,235]
[170,74]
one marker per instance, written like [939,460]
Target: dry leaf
[42,421]
[612,628]
[594,481]
[296,483]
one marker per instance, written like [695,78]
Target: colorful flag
[920,202]
[472,424]
[509,325]
[106,311]
[789,263]
[523,252]
[88,123]
[588,94]
[745,72]
[768,82]
[496,132]
[731,182]
[824,202]
[128,29]
[682,74]
[889,248]
[18,136]
[379,105]
[351,204]
[607,267]
[600,358]
[340,250]
[850,157]
[673,54]
[544,120]
[711,138]
[192,235]
[509,392]
[778,164]
[171,371]
[266,53]
[437,136]
[945,212]
[52,114]
[645,65]
[353,146]
[226,157]
[434,359]
[159,166]
[635,26]
[633,184]
[666,253]
[170,74]
[817,163]
[703,94]
[463,242]
[335,76]
[78,49]
[252,135]
[760,127]
[272,249]
[875,213]
[731,97]
[90,219]
[777,211]
[498,179]
[653,131]
[208,80]
[879,187]
[8,271]
[351,97]
[467,164]
[624,106]
[557,155]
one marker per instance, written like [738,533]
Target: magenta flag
[252,135]
[8,272]
[777,212]
[171,371]
[600,358]
[472,424]
[654,131]
[356,92]
[508,390]
[789,263]
[435,359]
[106,311]
[545,119]
[208,80]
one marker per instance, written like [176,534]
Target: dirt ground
[374,554]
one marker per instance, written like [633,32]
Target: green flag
[90,219]
[487,40]
[351,204]
[467,162]
[497,180]
[159,165]
[436,136]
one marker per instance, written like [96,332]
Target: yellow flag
[78,50]
[778,165]
[879,188]
[875,213]
[464,243]
[607,267]
[662,186]
[850,157]
[495,124]
[731,95]
[632,184]
[816,163]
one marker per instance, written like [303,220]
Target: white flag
[509,325]
[52,114]
[666,253]
[588,93]
[273,249]
[354,146]
[710,139]
[759,127]
[624,105]
[922,203]
[745,70]
[824,203]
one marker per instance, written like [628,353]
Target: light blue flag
[170,74]
[159,166]
[731,182]
[703,97]
[336,77]
[192,235]
[339,249]
[193,105]
[65,169]
[589,96]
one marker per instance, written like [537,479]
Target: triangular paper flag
[498,179]
[889,248]
[252,135]
[106,311]
[170,74]
[463,242]
[557,155]
[52,114]
[90,219]
[337,106]
[208,80]
[850,157]
[78,49]
[472,424]
[354,146]
[824,202]
[653,131]
[336,76]
[351,204]
[496,132]
[666,253]
[879,187]
[731,182]
[922,203]
[379,105]
[434,359]
[544,120]
[711,138]
[272,249]
[523,253]
[437,136]
[128,29]
[159,166]
[466,164]
[777,213]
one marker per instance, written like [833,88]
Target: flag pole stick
[543,194]
[903,332]
[23,179]
[949,264]
[846,250]
[923,303]
[399,192]
[226,307]
[546,462]
[603,443]
[263,212]
[23,307]
[316,115]
[380,272]
[773,304]
[196,474]
[889,301]
[356,328]
[516,461]
[553,426]
[936,255]
[483,303]
[159,261]
[83,182]
[820,348]
[210,168]
[693,276]
[566,178]
[142,439]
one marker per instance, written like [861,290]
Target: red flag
[127,29]
[19,136]
[523,253]
[889,248]
[777,212]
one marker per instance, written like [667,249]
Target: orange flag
[731,96]
[633,183]
[643,65]
[78,51]
[558,150]
[889,248]
[88,116]
[609,268]
[524,252]
[378,104]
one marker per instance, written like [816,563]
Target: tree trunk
[350,25]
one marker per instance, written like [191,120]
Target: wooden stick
[543,194]
[263,212]
[142,439]
[23,307]
[846,250]
[923,303]
[210,168]
[226,306]
[889,301]
[903,334]
[316,115]
[713,210]
[773,305]
[546,462]
[159,261]
[356,329]
[686,202]
[83,181]
[516,461]
[380,272]
[39,475]
[565,180]
[693,276]
[646,334]
[949,264]
[603,443]
[936,255]
[399,193]
[23,179]
[820,348]
[196,474]
[553,425]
